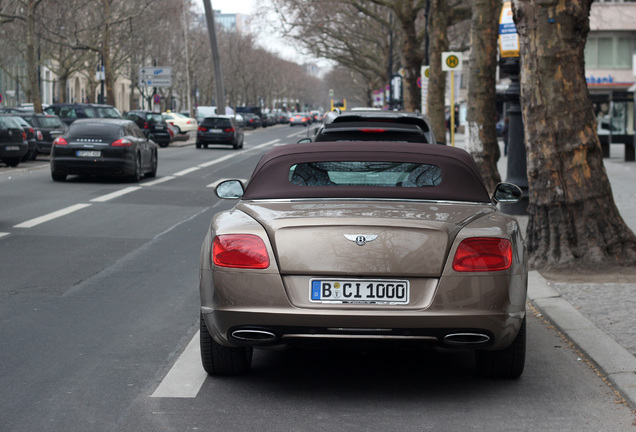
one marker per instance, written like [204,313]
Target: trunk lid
[361,237]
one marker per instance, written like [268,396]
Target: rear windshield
[7,122]
[49,122]
[153,117]
[380,174]
[108,112]
[216,122]
[100,132]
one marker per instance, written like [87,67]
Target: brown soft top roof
[461,180]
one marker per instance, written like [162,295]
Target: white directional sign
[155,82]
[162,71]
[155,76]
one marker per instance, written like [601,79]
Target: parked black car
[68,113]
[219,130]
[268,120]
[112,147]
[32,152]
[47,128]
[13,144]
[152,124]
[252,120]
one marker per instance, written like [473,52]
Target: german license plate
[216,130]
[367,291]
[12,148]
[89,153]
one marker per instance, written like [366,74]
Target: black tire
[198,145]
[220,360]
[165,144]
[12,162]
[136,176]
[506,363]
[155,162]
[235,145]
[58,177]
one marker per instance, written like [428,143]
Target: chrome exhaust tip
[466,339]
[254,336]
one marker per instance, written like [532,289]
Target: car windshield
[378,174]
[104,131]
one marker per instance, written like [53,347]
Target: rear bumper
[102,166]
[485,314]
[13,150]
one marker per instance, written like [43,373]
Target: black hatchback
[219,130]
[104,147]
[47,127]
[13,140]
[152,124]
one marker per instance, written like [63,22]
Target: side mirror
[304,140]
[507,193]
[229,189]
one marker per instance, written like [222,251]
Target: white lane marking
[302,132]
[2,234]
[268,143]
[186,171]
[186,377]
[56,214]
[156,182]
[116,194]
[216,161]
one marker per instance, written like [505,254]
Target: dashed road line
[3,234]
[186,171]
[158,181]
[116,194]
[56,214]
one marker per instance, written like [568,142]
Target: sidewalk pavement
[598,316]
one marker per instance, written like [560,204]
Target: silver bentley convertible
[365,242]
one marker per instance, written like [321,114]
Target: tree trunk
[438,22]
[574,221]
[31,57]
[482,94]
[412,54]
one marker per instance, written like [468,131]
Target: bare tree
[482,110]
[574,221]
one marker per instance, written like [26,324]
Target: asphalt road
[99,320]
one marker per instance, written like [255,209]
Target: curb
[614,361]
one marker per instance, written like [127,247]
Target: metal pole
[187,57]
[218,76]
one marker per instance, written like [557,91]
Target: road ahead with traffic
[99,319]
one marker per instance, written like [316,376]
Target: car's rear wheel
[12,162]
[506,363]
[136,176]
[220,360]
[58,177]
[198,145]
[153,169]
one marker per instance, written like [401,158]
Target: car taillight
[24,136]
[372,130]
[240,251]
[146,125]
[60,142]
[481,254]
[189,122]
[122,143]
[40,136]
[202,129]
[230,129]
